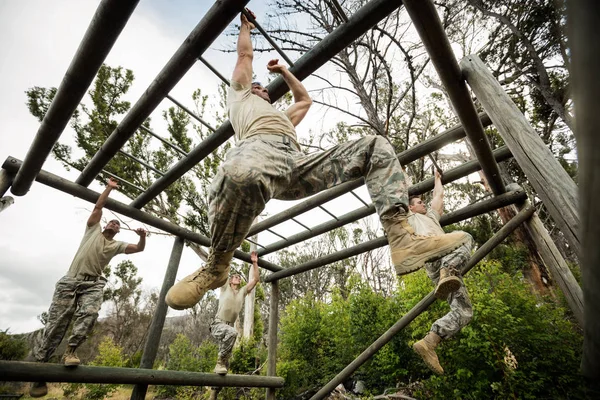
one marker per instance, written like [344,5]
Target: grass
[55,392]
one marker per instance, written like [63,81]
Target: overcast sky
[42,230]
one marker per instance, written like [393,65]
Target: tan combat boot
[410,251]
[187,292]
[447,284]
[221,367]
[38,389]
[426,349]
[70,358]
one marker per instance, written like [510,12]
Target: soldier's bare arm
[141,244]
[302,100]
[242,72]
[437,203]
[101,202]
[255,274]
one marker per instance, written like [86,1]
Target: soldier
[231,301]
[445,274]
[267,163]
[79,293]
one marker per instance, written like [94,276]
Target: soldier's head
[260,91]
[416,205]
[113,227]
[235,280]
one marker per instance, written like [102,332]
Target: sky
[42,230]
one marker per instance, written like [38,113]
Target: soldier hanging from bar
[79,294]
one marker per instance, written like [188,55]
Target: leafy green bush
[109,355]
[12,348]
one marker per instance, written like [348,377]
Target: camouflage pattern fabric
[461,310]
[72,298]
[257,170]
[225,335]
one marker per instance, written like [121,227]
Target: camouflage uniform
[260,168]
[225,333]
[461,310]
[72,297]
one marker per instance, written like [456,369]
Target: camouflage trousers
[225,334]
[257,170]
[72,299]
[461,310]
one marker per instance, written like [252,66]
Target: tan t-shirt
[426,224]
[251,115]
[94,253]
[230,303]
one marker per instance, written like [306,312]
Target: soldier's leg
[461,313]
[225,336]
[251,173]
[60,313]
[373,158]
[89,301]
[447,277]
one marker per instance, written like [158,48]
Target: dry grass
[55,392]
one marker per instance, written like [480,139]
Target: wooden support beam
[423,305]
[6,179]
[549,179]
[158,319]
[12,165]
[273,323]
[31,372]
[427,23]
[584,42]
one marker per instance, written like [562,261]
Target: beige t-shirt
[94,253]
[230,303]
[251,115]
[426,224]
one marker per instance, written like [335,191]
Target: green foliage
[109,355]
[184,356]
[12,348]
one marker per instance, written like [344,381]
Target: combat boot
[447,284]
[187,292]
[410,251]
[426,349]
[38,389]
[70,358]
[221,367]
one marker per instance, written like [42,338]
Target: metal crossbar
[192,114]
[142,162]
[163,140]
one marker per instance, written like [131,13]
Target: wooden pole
[250,298]
[6,179]
[158,319]
[556,264]
[584,40]
[273,322]
[423,305]
[32,372]
[549,179]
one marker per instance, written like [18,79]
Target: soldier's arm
[437,204]
[255,275]
[96,214]
[242,73]
[141,244]
[302,100]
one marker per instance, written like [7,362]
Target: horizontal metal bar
[276,234]
[208,29]
[46,372]
[415,190]
[193,115]
[12,165]
[423,305]
[300,223]
[165,141]
[450,218]
[110,18]
[214,70]
[367,16]
[142,162]
[266,36]
[427,23]
[328,212]
[359,199]
[122,180]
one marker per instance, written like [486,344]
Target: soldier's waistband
[89,278]
[288,141]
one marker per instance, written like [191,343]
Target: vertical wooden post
[158,320]
[250,298]
[549,179]
[584,40]
[6,179]
[273,322]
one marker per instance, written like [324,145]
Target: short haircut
[256,83]
[411,198]
[116,221]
